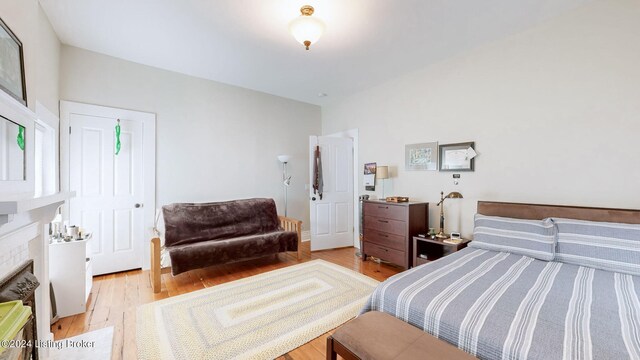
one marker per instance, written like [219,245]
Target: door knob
[313,198]
[138,206]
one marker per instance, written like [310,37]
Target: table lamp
[382,173]
[451,195]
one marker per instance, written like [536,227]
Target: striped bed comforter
[498,305]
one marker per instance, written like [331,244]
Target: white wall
[554,111]
[48,65]
[41,49]
[214,141]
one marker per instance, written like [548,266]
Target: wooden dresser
[390,227]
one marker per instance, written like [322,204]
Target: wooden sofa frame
[288,224]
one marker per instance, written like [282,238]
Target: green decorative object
[21,137]
[118,144]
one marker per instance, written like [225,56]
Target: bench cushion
[188,223]
[198,255]
[380,336]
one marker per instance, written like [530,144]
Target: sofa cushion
[534,238]
[600,245]
[188,223]
[198,255]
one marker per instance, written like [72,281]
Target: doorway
[323,224]
[114,184]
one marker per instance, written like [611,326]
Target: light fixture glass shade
[382,172]
[307,30]
[284,158]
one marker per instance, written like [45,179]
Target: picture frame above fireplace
[12,72]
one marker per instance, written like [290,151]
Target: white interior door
[109,189]
[332,216]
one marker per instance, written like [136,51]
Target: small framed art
[457,157]
[421,156]
[370,176]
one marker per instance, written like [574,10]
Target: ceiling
[247,43]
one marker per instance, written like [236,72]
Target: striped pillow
[534,238]
[600,245]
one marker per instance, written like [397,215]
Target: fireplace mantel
[16,204]
[23,236]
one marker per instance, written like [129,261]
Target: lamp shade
[454,195]
[306,29]
[284,158]
[382,172]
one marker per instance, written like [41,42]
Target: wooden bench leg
[331,352]
[299,231]
[335,348]
[156,266]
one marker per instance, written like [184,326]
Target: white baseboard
[306,235]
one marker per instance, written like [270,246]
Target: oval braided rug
[260,317]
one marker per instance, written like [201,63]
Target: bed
[501,305]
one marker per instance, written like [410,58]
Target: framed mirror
[13,140]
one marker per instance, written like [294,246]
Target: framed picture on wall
[457,157]
[370,176]
[12,80]
[421,156]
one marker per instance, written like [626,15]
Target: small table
[433,249]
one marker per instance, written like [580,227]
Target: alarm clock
[455,236]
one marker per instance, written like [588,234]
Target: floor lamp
[286,180]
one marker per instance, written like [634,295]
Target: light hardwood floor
[114,297]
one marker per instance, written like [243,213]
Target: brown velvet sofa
[205,234]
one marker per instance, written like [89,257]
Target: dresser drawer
[388,226]
[384,253]
[386,211]
[397,242]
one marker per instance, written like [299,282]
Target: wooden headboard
[537,211]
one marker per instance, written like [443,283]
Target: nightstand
[433,249]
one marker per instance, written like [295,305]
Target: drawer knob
[383,207]
[383,221]
[383,235]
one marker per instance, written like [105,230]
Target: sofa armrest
[294,225]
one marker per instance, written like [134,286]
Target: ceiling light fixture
[306,29]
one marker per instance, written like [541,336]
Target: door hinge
[69,130]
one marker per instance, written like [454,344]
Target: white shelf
[20,203]
[14,204]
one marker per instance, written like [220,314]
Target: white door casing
[115,194]
[332,216]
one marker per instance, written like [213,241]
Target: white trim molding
[13,110]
